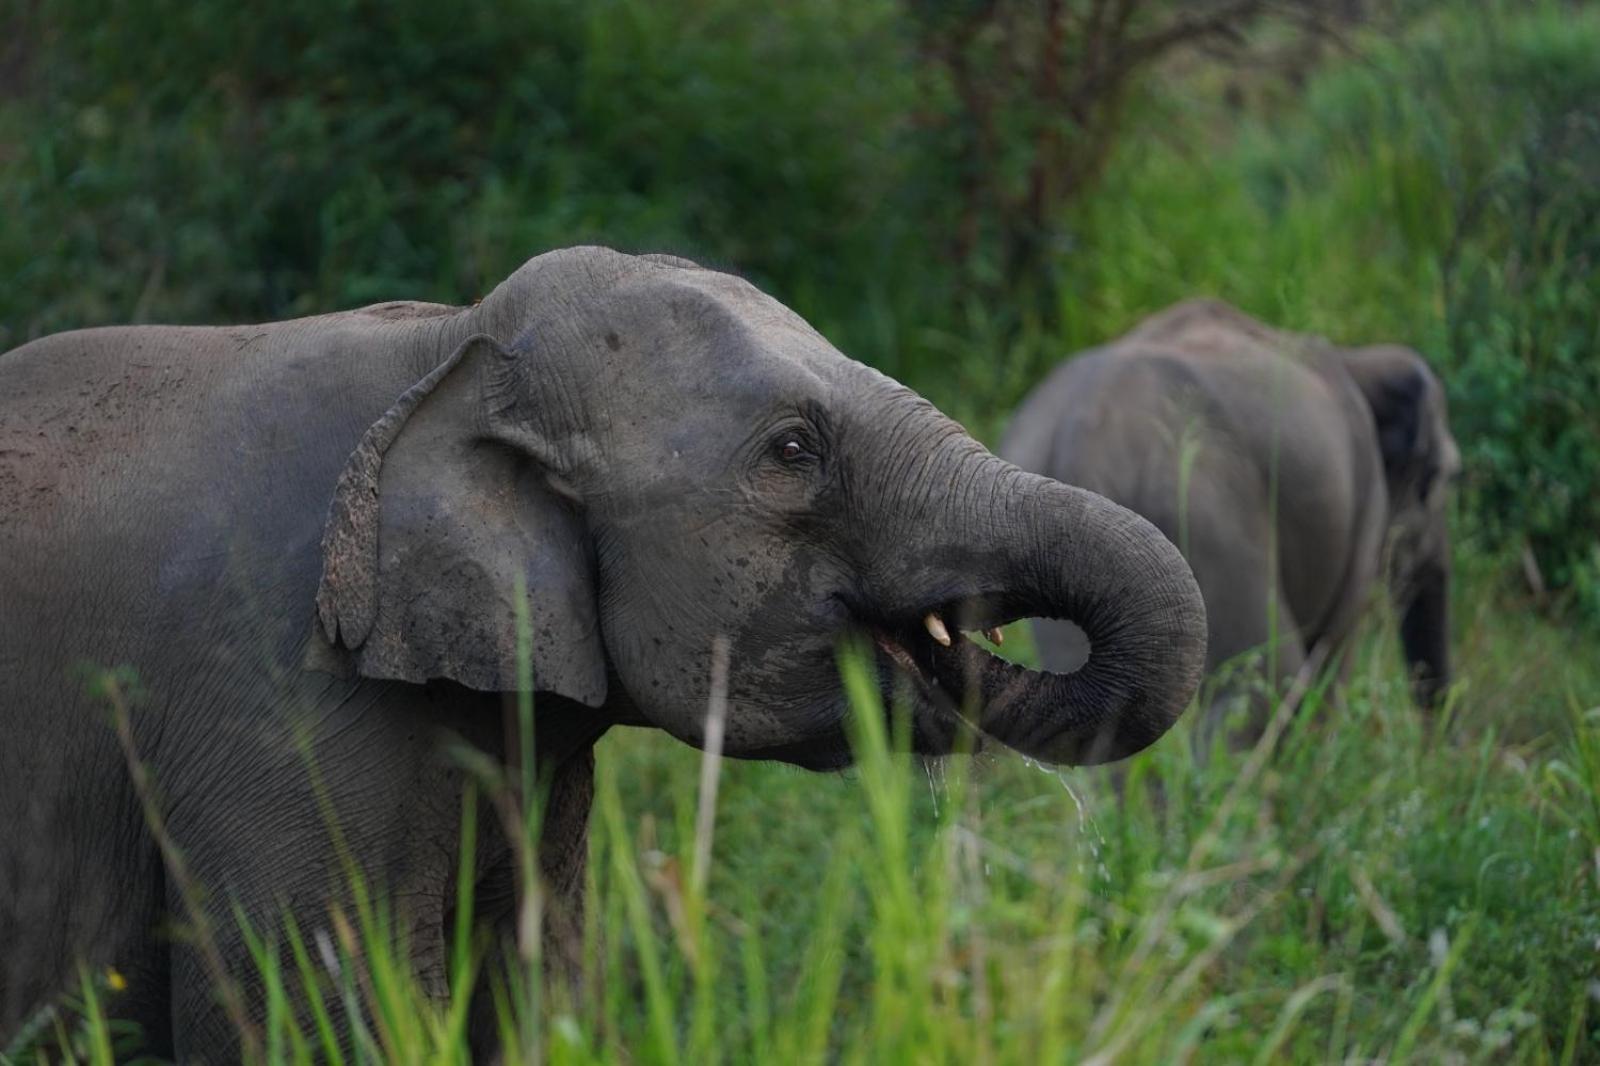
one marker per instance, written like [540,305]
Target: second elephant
[1292,473]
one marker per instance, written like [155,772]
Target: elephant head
[663,455]
[1420,462]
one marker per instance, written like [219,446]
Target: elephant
[325,547]
[1294,475]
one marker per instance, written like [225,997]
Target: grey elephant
[316,542]
[1294,475]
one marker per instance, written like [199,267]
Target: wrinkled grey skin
[1291,472]
[308,539]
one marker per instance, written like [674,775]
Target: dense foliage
[196,162]
[1486,145]
[206,162]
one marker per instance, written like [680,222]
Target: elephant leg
[282,831]
[563,863]
[207,1026]
[81,892]
[204,1026]
[1282,656]
[1255,648]
[1337,667]
[562,860]
[1248,690]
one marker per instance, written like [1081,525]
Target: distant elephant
[1285,468]
[313,541]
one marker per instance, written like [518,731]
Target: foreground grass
[1386,887]
[1382,888]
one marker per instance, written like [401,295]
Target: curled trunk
[1031,547]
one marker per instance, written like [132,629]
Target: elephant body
[1294,475]
[320,549]
[166,512]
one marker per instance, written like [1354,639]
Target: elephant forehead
[697,324]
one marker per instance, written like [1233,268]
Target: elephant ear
[1394,381]
[448,543]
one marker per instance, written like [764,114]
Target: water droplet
[1086,822]
[934,769]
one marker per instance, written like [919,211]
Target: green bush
[1487,130]
[209,162]
[1524,316]
[1479,137]
[199,163]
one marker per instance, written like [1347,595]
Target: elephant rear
[79,874]
[1279,463]
[1234,452]
[1139,426]
[146,476]
[1134,426]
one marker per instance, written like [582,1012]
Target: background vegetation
[1386,887]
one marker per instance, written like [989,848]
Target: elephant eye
[792,448]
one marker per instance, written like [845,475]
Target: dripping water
[933,768]
[1086,822]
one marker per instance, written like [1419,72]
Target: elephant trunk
[1425,631]
[1030,547]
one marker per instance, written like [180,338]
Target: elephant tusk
[936,628]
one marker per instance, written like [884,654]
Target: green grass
[1315,897]
[1387,886]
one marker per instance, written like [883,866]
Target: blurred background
[962,193]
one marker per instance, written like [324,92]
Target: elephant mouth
[957,678]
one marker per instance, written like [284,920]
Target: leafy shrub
[206,162]
[1524,316]
[1486,132]
[200,163]
[203,162]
